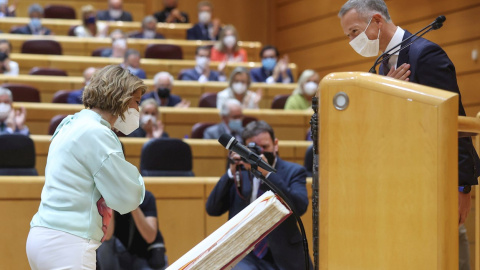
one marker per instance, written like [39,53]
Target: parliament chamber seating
[59,12]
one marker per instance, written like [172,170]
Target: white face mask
[121,43]
[239,88]
[132,118]
[149,33]
[229,41]
[202,61]
[115,13]
[310,88]
[204,17]
[4,111]
[147,117]
[364,46]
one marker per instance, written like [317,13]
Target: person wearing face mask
[131,61]
[226,49]
[119,45]
[201,72]
[370,29]
[162,93]
[11,121]
[301,98]
[75,97]
[87,176]
[150,124]
[90,27]
[231,114]
[35,12]
[206,28]
[238,187]
[149,29]
[6,10]
[239,83]
[171,13]
[115,12]
[273,69]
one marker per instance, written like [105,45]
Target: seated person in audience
[35,12]
[163,83]
[90,27]
[11,120]
[301,98]
[150,124]
[232,116]
[6,10]
[149,29]
[75,97]
[206,28]
[201,72]
[8,67]
[238,85]
[273,70]
[282,248]
[119,45]
[226,49]
[131,61]
[115,12]
[133,240]
[171,14]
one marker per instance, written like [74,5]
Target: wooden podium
[388,174]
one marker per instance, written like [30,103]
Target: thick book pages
[237,237]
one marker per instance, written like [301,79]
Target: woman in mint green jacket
[86,175]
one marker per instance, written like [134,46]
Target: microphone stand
[259,175]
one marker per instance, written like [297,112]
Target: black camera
[255,148]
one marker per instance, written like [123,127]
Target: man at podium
[370,29]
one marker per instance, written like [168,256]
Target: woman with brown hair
[86,175]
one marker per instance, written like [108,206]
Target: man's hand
[401,73]
[183,104]
[236,160]
[10,121]
[464,203]
[20,116]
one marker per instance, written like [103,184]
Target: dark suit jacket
[430,65]
[104,15]
[197,33]
[75,97]
[172,100]
[193,75]
[162,16]
[285,241]
[26,30]
[215,131]
[140,35]
[261,75]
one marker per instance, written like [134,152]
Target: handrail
[468,126]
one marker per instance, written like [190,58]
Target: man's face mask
[364,46]
[270,156]
[163,92]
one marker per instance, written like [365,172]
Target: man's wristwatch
[465,189]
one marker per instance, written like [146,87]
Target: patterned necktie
[385,66]
[261,248]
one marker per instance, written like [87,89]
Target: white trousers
[49,249]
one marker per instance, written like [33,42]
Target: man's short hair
[257,127]
[207,48]
[269,47]
[225,110]
[205,3]
[111,89]
[6,91]
[130,52]
[35,8]
[8,42]
[148,19]
[366,8]
[161,74]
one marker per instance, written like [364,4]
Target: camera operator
[237,188]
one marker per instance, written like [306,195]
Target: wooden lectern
[388,174]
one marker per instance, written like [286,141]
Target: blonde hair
[219,45]
[87,10]
[306,74]
[111,89]
[149,101]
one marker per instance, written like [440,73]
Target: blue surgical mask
[235,125]
[269,63]
[35,23]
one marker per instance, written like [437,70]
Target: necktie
[205,32]
[385,66]
[261,248]
[2,127]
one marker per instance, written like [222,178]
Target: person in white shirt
[90,27]
[9,67]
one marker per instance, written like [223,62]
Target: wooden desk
[209,156]
[288,125]
[75,65]
[61,27]
[85,46]
[180,204]
[189,90]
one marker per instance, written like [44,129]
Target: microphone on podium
[436,24]
[230,143]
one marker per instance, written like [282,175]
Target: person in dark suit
[163,83]
[273,69]
[115,12]
[35,12]
[149,29]
[282,248]
[206,28]
[131,61]
[75,97]
[231,114]
[423,62]
[201,72]
[171,14]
